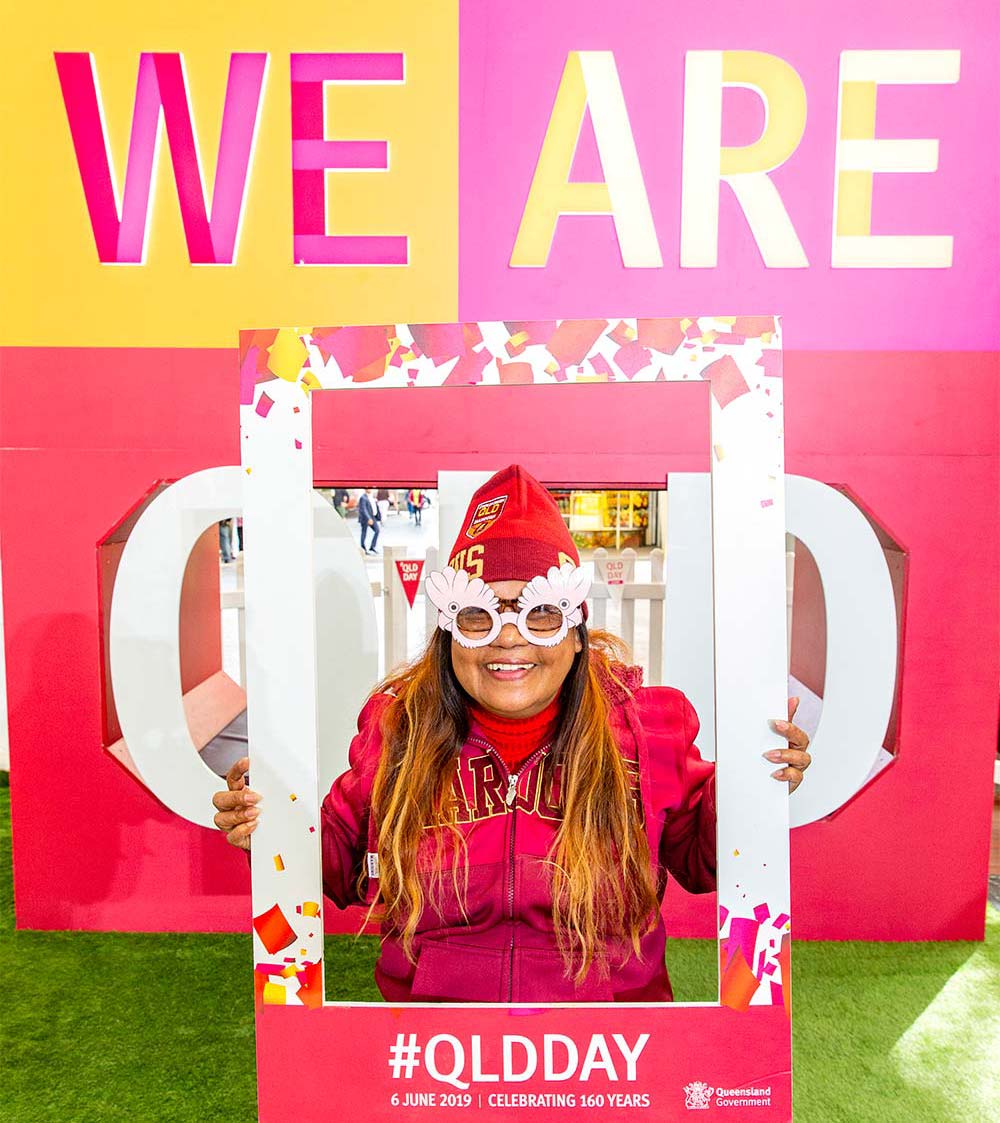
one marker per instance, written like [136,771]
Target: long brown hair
[603,887]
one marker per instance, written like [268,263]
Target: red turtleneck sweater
[516,738]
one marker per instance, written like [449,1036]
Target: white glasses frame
[452,590]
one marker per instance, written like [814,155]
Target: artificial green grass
[146,1028]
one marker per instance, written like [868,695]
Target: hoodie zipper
[510,796]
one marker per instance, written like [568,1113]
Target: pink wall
[907,858]
[511,66]
[105,854]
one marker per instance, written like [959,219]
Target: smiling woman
[512,676]
[514,670]
[516,798]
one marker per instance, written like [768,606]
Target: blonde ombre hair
[603,885]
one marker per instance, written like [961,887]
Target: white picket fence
[632,592]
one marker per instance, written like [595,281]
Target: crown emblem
[698,1094]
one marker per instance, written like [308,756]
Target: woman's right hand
[236,808]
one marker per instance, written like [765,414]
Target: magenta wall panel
[508,87]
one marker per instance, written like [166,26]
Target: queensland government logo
[698,1094]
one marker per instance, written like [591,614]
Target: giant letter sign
[313,155]
[707,163]
[861,650]
[120,229]
[859,154]
[589,81]
[861,630]
[145,655]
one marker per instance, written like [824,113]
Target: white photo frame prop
[367,1060]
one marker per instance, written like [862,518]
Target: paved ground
[398,529]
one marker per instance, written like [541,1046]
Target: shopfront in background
[612,519]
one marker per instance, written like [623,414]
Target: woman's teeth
[507,666]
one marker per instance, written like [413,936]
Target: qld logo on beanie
[485,515]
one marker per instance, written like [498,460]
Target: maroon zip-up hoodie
[504,949]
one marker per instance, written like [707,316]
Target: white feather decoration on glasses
[451,590]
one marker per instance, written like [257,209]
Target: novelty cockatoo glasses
[546,609]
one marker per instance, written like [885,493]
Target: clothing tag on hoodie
[372,865]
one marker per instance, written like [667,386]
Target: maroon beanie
[512,531]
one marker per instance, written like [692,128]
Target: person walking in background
[415,500]
[382,499]
[369,518]
[239,533]
[226,540]
[340,498]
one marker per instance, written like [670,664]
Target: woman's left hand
[795,758]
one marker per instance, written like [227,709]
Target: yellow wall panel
[53,289]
